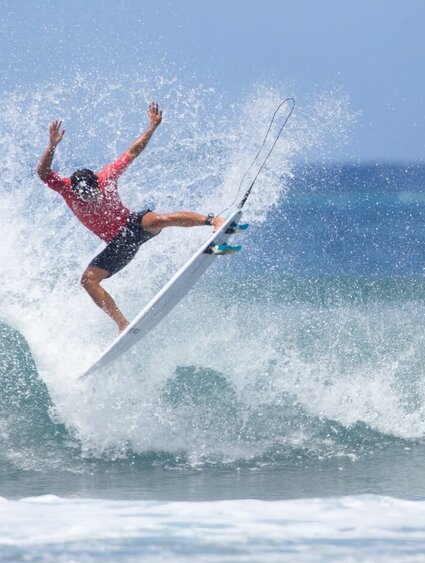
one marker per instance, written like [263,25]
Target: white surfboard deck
[166,299]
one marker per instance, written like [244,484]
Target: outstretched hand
[155,115]
[56,133]
[155,118]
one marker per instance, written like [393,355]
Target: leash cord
[245,197]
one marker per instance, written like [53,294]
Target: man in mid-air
[93,198]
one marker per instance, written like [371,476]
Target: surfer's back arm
[55,137]
[155,117]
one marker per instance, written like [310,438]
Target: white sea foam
[267,351]
[358,528]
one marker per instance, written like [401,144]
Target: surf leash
[290,101]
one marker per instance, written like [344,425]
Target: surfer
[93,198]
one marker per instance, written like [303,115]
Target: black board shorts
[123,248]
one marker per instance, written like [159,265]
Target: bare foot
[122,326]
[217,222]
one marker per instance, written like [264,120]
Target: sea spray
[244,355]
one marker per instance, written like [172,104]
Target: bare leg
[154,223]
[90,280]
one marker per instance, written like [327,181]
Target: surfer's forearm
[56,134]
[155,118]
[45,166]
[140,143]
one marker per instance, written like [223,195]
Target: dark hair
[84,182]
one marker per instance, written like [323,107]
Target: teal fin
[237,227]
[221,249]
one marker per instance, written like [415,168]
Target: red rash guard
[106,217]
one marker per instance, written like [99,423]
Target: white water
[195,161]
[361,528]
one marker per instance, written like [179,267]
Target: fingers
[55,132]
[55,125]
[154,112]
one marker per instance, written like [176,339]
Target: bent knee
[92,278]
[86,280]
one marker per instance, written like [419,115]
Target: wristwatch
[209,219]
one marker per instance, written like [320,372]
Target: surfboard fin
[237,227]
[221,249]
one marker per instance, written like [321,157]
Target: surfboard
[172,293]
[180,284]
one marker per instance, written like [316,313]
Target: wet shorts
[123,248]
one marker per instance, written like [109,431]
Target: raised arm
[55,137]
[155,118]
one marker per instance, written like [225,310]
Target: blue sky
[374,50]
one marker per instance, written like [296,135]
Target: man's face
[87,193]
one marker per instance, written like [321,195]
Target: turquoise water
[261,441]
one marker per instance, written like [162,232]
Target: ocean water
[278,413]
